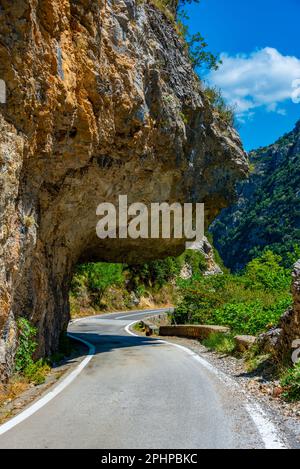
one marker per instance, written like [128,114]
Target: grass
[221,343]
[37,372]
[162,5]
[30,372]
[16,386]
[290,382]
[139,327]
[225,112]
[255,362]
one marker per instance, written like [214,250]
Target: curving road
[138,392]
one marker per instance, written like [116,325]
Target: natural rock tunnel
[101,101]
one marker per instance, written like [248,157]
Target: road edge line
[264,425]
[25,414]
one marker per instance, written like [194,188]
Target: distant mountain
[267,212]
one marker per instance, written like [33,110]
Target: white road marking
[124,315]
[58,389]
[52,394]
[265,427]
[138,314]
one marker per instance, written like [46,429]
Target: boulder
[244,342]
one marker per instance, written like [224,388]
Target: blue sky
[260,46]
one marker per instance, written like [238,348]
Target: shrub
[155,273]
[139,327]
[291,382]
[222,343]
[97,276]
[226,112]
[198,53]
[196,260]
[267,272]
[199,300]
[250,318]
[248,303]
[26,344]
[36,372]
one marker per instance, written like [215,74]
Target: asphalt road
[139,392]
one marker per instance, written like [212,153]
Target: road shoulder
[13,407]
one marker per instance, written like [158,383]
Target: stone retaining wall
[197,332]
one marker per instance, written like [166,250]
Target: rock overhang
[101,101]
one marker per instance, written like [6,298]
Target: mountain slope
[267,212]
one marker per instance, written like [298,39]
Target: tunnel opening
[102,287]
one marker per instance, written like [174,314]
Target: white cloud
[264,78]
[296,91]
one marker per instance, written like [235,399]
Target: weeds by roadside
[28,371]
[139,327]
[222,343]
[25,365]
[254,360]
[9,391]
[290,382]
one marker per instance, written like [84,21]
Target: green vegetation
[249,303]
[222,343]
[197,51]
[226,112]
[255,360]
[196,46]
[164,7]
[26,344]
[158,273]
[103,286]
[29,371]
[291,383]
[97,277]
[34,371]
[139,327]
[37,371]
[267,215]
[201,58]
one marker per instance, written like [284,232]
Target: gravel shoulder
[286,415]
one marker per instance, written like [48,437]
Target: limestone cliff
[279,341]
[101,101]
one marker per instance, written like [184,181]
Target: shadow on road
[107,342]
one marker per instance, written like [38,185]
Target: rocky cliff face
[101,101]
[279,342]
[268,206]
